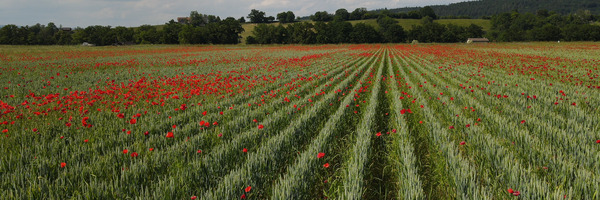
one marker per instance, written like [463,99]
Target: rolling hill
[477,9]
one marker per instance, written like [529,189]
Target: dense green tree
[428,31]
[98,35]
[363,33]
[321,16]
[196,19]
[262,34]
[225,32]
[342,14]
[427,11]
[291,17]
[46,34]
[146,34]
[286,17]
[11,34]
[358,14]
[301,33]
[33,34]
[548,32]
[63,37]
[270,34]
[257,16]
[474,31]
[453,33]
[576,32]
[390,30]
[170,33]
[251,40]
[282,17]
[213,19]
[269,19]
[193,35]
[340,31]
[322,33]
[123,34]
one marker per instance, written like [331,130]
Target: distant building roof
[183,20]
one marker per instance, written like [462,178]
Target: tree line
[197,29]
[543,26]
[327,28]
[362,13]
[339,31]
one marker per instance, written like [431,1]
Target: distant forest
[482,8]
[324,28]
[507,27]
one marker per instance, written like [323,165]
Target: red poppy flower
[245,150]
[133,121]
[326,165]
[522,121]
[260,126]
[468,125]
[174,126]
[199,151]
[463,143]
[134,154]
[248,189]
[243,196]
[34,130]
[420,122]
[320,155]
[121,115]
[597,141]
[220,135]
[510,190]
[151,149]
[5,131]
[451,127]
[86,140]
[516,193]
[125,151]
[378,134]
[170,135]
[194,197]
[63,165]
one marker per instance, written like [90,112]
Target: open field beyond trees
[429,121]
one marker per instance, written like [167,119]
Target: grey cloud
[84,13]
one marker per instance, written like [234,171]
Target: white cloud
[84,13]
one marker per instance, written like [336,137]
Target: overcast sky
[83,13]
